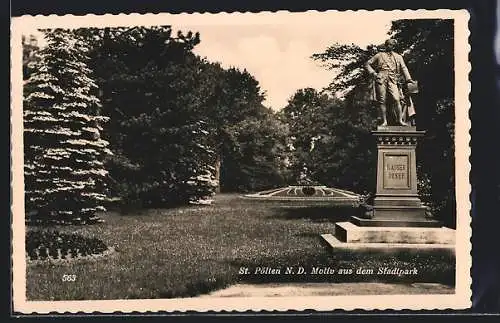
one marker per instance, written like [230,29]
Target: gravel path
[329,289]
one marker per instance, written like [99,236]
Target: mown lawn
[188,251]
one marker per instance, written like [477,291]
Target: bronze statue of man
[388,68]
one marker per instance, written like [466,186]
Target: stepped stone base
[417,248]
[395,207]
[352,233]
[418,222]
[397,212]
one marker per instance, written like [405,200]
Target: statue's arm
[369,67]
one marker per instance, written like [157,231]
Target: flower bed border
[68,260]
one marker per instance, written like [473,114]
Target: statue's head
[390,44]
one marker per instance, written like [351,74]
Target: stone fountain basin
[306,196]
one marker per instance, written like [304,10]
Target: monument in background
[398,215]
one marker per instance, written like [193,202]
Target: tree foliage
[237,102]
[306,117]
[237,96]
[254,153]
[348,63]
[330,143]
[155,91]
[30,57]
[64,151]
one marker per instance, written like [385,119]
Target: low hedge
[51,244]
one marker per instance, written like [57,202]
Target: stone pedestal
[399,220]
[396,201]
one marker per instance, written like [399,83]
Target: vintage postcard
[241,161]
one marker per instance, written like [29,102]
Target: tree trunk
[217,171]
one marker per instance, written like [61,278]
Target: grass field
[188,251]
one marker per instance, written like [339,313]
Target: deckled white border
[462,297]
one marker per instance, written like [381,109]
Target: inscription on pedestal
[396,171]
[396,202]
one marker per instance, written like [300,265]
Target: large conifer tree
[63,148]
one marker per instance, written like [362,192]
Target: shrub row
[41,244]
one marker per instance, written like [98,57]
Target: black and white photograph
[241,161]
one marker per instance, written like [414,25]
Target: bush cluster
[41,245]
